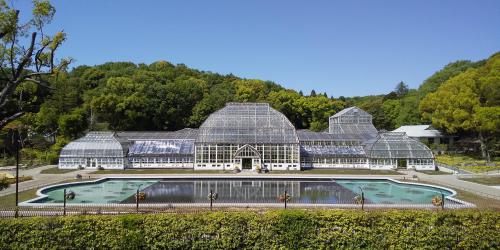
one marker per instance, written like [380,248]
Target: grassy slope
[432,172]
[490,181]
[467,163]
[56,170]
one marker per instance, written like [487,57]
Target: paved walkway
[39,180]
[453,182]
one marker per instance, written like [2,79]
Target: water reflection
[246,191]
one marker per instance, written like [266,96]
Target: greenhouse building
[252,136]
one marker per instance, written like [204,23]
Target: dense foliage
[163,96]
[332,229]
[401,106]
[469,102]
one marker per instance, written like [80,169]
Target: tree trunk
[484,150]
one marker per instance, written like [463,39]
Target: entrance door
[246,163]
[401,163]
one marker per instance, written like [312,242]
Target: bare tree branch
[20,64]
[6,120]
[27,56]
[39,82]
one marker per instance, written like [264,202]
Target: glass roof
[94,144]
[397,145]
[332,151]
[353,123]
[245,123]
[307,135]
[187,133]
[162,148]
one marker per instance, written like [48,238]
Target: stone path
[39,180]
[453,181]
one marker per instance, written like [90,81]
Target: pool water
[242,190]
[386,192]
[111,191]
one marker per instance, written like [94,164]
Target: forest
[461,98]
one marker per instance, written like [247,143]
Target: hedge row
[292,229]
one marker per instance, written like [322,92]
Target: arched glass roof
[94,144]
[247,123]
[397,145]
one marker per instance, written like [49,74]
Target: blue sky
[345,48]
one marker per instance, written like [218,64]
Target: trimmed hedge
[292,229]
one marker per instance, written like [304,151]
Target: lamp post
[64,203]
[212,196]
[362,198]
[442,201]
[285,197]
[137,199]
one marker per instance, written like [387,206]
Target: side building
[252,136]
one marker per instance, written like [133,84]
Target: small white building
[426,134]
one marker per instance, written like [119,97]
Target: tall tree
[401,89]
[468,102]
[33,62]
[432,83]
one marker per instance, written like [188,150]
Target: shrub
[4,183]
[21,179]
[11,161]
[279,229]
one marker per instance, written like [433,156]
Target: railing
[153,208]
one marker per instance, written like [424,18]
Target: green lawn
[56,170]
[467,163]
[480,169]
[490,181]
[159,171]
[8,202]
[433,172]
[340,171]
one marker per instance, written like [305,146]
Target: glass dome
[247,123]
[397,145]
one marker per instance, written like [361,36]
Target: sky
[343,48]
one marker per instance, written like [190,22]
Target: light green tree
[468,102]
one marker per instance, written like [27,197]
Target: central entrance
[247,157]
[246,163]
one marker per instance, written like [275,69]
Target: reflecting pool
[242,190]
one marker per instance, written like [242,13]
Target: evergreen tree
[401,89]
